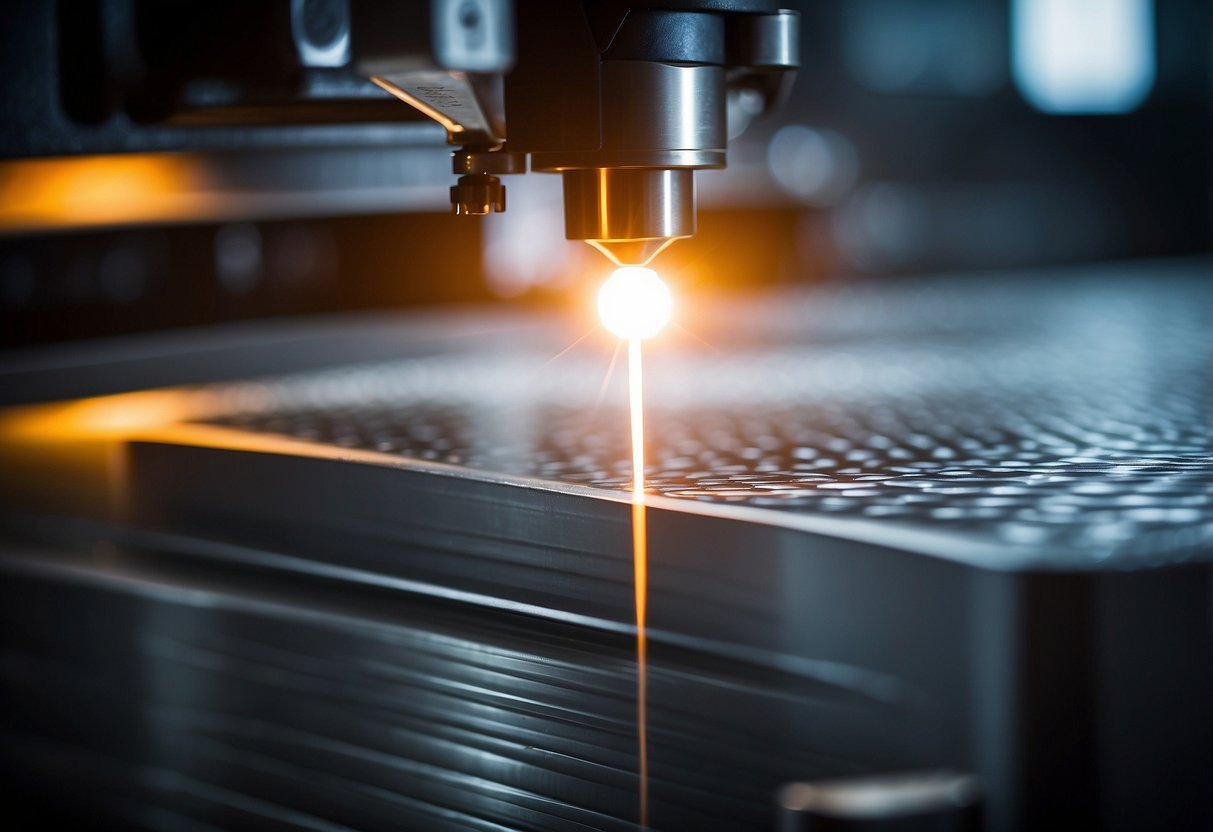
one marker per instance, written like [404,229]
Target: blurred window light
[238,260]
[930,47]
[1083,56]
[525,248]
[817,167]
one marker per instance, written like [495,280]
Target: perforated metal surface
[1060,414]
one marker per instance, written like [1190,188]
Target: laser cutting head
[664,82]
[626,103]
[663,117]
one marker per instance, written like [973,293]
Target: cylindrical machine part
[767,41]
[658,107]
[634,195]
[629,213]
[662,115]
[654,115]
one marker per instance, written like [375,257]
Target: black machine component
[945,166]
[626,100]
[632,101]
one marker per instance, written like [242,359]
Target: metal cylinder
[655,106]
[654,115]
[629,213]
[634,194]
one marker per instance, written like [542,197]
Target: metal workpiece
[951,408]
[915,802]
[911,527]
[630,214]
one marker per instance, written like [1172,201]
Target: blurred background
[937,135]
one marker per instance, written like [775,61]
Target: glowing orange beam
[640,566]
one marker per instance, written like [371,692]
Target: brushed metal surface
[1066,419]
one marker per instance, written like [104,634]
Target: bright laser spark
[635,303]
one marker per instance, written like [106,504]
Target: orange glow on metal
[100,190]
[640,566]
[68,458]
[106,416]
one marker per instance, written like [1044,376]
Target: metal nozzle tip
[632,252]
[477,194]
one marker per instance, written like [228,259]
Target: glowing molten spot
[635,303]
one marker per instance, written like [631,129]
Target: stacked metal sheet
[891,528]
